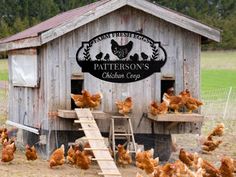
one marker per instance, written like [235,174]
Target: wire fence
[219,106]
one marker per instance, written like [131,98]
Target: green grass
[3,70]
[218,70]
[212,79]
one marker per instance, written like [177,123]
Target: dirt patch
[20,167]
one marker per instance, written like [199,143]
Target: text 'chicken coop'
[121,56]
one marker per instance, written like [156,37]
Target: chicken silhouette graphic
[121,51]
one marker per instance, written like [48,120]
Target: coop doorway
[76,88]
[165,85]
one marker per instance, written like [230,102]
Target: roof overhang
[106,8]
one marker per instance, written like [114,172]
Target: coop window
[76,86]
[166,84]
[24,65]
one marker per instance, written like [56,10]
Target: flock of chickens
[188,165]
[9,147]
[88,100]
[170,102]
[175,102]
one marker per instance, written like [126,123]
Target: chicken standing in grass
[57,158]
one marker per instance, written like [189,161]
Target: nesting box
[49,61]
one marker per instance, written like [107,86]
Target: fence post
[227,102]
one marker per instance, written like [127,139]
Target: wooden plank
[30,51]
[20,44]
[177,117]
[103,157]
[71,114]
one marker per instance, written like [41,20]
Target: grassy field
[3,70]
[218,70]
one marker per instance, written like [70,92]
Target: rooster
[121,51]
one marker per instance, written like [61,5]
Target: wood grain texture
[58,66]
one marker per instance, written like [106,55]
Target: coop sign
[121,56]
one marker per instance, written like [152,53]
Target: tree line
[17,15]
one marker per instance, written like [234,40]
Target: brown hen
[57,158]
[71,155]
[82,160]
[124,157]
[30,152]
[124,107]
[8,153]
[218,130]
[210,145]
[227,167]
[173,102]
[190,103]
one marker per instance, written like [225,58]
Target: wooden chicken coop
[120,48]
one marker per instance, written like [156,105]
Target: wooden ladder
[120,132]
[97,144]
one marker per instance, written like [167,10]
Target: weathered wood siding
[58,63]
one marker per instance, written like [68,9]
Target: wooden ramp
[96,141]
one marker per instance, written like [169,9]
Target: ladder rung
[96,149]
[129,151]
[120,117]
[94,139]
[82,129]
[101,159]
[122,134]
[89,122]
[112,174]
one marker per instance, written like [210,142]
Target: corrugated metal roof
[53,22]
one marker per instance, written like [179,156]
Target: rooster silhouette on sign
[121,51]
